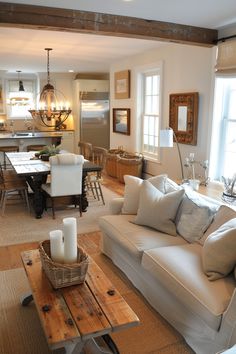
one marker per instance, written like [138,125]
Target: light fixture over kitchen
[52,110]
[20,97]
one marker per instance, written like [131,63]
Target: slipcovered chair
[66,178]
[12,185]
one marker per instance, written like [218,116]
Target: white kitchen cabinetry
[68,141]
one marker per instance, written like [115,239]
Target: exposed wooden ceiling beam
[48,18]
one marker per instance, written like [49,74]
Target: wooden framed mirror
[184,116]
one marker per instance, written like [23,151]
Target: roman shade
[226,57]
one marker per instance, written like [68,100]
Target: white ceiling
[23,49]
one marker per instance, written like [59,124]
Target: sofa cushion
[219,251]
[158,210]
[132,238]
[132,191]
[194,216]
[223,215]
[179,268]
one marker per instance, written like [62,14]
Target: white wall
[185,69]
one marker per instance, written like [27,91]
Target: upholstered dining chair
[66,178]
[12,185]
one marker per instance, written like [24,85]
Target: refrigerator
[95,118]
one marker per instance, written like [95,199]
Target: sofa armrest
[115,206]
[228,325]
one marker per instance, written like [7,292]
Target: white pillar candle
[56,246]
[70,240]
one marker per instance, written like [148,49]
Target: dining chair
[4,150]
[94,179]
[66,178]
[12,185]
[86,149]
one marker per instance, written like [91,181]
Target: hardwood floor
[10,255]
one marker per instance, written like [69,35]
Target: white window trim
[139,72]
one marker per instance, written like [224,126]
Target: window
[20,110]
[223,151]
[151,114]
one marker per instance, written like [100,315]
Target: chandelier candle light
[64,252]
[53,109]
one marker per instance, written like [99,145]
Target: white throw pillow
[159,182]
[194,217]
[219,251]
[131,194]
[171,186]
[158,210]
[132,191]
[223,215]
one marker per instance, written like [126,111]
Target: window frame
[27,115]
[219,126]
[154,69]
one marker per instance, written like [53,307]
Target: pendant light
[20,97]
[52,110]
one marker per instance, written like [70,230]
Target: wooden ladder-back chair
[66,178]
[86,149]
[94,180]
[10,184]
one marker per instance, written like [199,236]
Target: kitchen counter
[29,135]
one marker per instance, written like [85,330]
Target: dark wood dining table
[35,171]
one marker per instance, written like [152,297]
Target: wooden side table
[73,316]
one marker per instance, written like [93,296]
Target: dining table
[36,172]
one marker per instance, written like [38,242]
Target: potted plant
[48,151]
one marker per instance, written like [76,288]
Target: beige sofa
[176,272]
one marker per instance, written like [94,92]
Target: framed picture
[2,110]
[184,117]
[122,84]
[121,120]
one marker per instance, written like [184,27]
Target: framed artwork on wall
[121,120]
[183,117]
[122,84]
[2,110]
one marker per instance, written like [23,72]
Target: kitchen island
[24,138]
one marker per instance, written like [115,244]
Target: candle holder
[61,274]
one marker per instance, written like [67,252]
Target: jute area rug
[21,332]
[18,226]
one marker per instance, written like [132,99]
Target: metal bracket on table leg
[26,299]
[101,345]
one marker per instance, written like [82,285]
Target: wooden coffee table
[77,315]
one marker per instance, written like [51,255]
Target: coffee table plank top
[80,312]
[118,312]
[87,314]
[56,322]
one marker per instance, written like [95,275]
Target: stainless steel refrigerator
[95,118]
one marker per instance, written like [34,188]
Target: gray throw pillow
[158,210]
[219,251]
[194,217]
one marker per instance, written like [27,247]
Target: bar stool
[5,149]
[35,147]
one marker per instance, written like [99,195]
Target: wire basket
[129,164]
[63,275]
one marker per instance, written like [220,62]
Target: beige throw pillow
[223,215]
[132,191]
[158,210]
[219,251]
